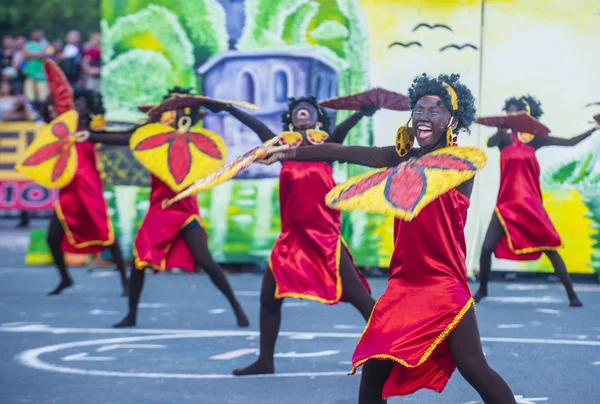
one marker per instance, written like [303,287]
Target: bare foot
[128,321]
[242,320]
[479,295]
[61,286]
[575,302]
[259,367]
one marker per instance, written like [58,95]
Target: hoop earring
[405,139]
[451,138]
[317,136]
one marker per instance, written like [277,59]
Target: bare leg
[354,291]
[492,238]
[115,250]
[374,375]
[136,284]
[464,344]
[270,321]
[54,238]
[561,271]
[198,244]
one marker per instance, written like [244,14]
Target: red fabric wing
[44,153]
[62,93]
[406,187]
[205,144]
[154,141]
[364,185]
[180,158]
[60,165]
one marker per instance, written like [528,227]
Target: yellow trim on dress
[71,239]
[141,265]
[338,282]
[440,338]
[527,250]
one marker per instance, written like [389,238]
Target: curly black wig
[93,99]
[521,104]
[178,90]
[517,102]
[425,85]
[534,105]
[286,117]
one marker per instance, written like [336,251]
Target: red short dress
[528,230]
[305,260]
[426,298]
[81,208]
[158,243]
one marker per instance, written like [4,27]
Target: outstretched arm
[262,130]
[542,141]
[341,131]
[500,139]
[113,138]
[375,157]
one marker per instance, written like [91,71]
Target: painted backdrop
[268,50]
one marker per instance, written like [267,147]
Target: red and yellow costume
[527,227]
[158,243]
[306,257]
[426,297]
[81,208]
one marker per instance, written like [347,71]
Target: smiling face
[304,116]
[430,119]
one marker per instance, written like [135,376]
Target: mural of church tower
[266,78]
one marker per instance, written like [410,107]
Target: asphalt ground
[63,350]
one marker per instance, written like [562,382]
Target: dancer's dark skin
[464,341]
[495,231]
[196,240]
[304,116]
[55,229]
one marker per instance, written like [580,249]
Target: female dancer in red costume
[520,228]
[309,259]
[174,238]
[424,325]
[80,223]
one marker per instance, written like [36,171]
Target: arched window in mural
[332,88]
[318,85]
[247,87]
[281,86]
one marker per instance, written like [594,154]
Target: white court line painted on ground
[98,312]
[524,299]
[83,356]
[112,347]
[295,304]
[31,358]
[597,363]
[503,326]
[548,311]
[229,333]
[152,305]
[217,311]
[524,287]
[344,327]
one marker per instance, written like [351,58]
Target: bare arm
[375,157]
[543,141]
[113,138]
[341,131]
[262,130]
[89,69]
[30,55]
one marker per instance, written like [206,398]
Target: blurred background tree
[19,17]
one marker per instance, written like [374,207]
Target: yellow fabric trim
[523,250]
[440,338]
[338,283]
[69,234]
[141,265]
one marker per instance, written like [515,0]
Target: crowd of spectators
[23,85]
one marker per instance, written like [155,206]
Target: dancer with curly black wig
[80,223]
[310,259]
[424,324]
[520,228]
[175,237]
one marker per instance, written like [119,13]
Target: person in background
[55,49]
[7,52]
[70,59]
[15,107]
[35,86]
[91,63]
